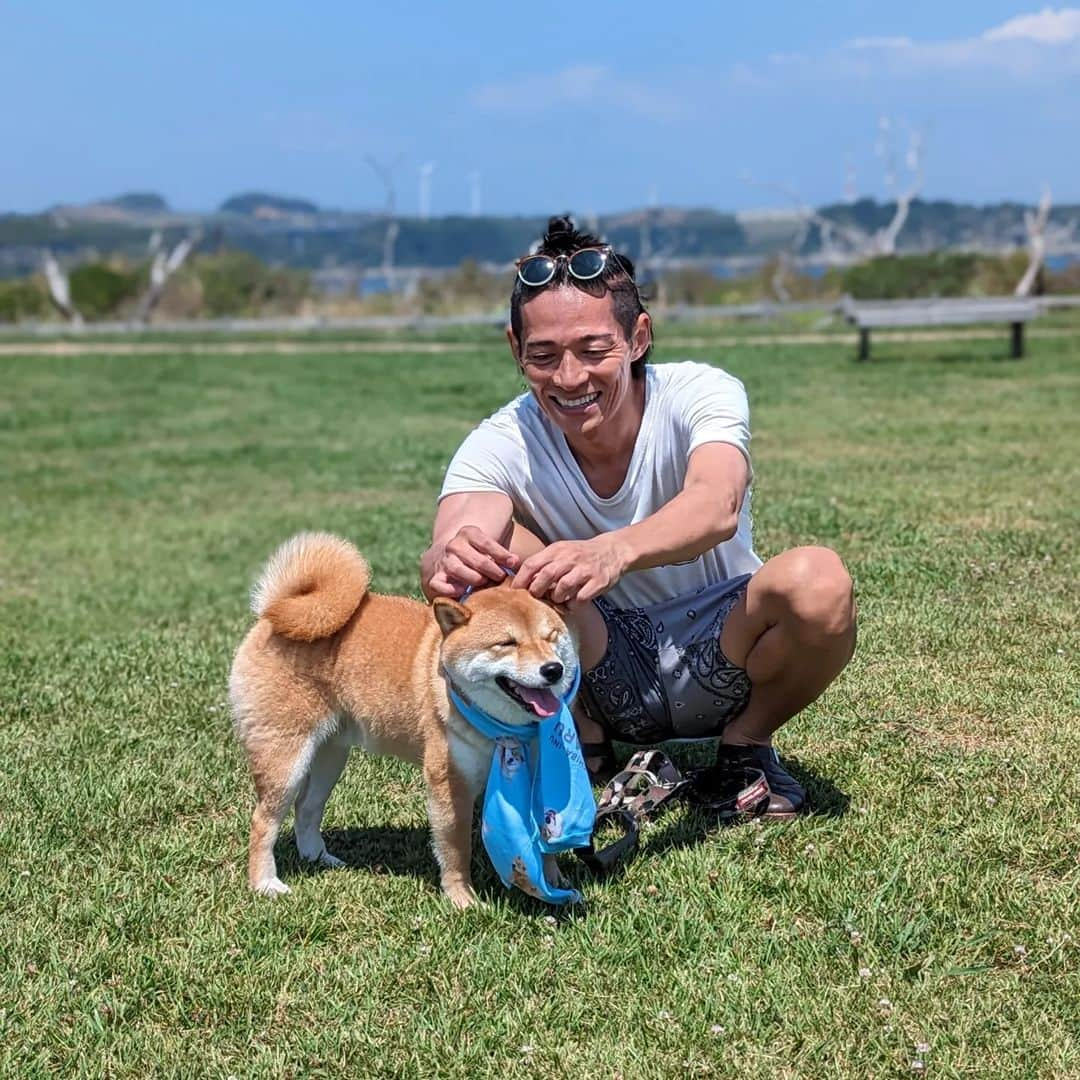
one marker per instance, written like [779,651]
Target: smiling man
[621,489]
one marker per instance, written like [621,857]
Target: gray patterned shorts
[663,675]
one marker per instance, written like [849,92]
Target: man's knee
[816,590]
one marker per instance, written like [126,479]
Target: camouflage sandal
[649,781]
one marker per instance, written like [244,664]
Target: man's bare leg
[793,632]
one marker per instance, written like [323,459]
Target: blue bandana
[538,800]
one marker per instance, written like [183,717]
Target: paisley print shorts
[663,675]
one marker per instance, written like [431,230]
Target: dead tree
[838,241]
[162,267]
[883,241]
[841,242]
[1035,224]
[784,263]
[1042,236]
[60,289]
[385,172]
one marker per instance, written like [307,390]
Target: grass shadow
[380,850]
[824,799]
[407,851]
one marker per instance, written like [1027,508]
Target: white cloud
[1047,27]
[878,43]
[1037,47]
[1026,47]
[582,84]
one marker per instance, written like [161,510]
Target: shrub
[1065,280]
[469,288]
[235,283]
[894,277]
[998,275]
[98,290]
[22,300]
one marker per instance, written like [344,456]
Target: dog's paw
[273,887]
[320,856]
[461,896]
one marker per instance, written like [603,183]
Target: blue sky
[592,106]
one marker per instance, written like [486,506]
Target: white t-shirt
[519,452]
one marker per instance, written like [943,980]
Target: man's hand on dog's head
[469,559]
[574,571]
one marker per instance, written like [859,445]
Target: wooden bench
[870,315]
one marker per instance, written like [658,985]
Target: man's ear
[642,336]
[514,348]
[449,614]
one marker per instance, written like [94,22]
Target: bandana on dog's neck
[538,799]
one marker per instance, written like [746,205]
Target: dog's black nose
[552,671]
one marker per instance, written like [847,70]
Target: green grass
[930,900]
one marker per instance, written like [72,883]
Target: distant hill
[147,202]
[260,204]
[940,223]
[294,232]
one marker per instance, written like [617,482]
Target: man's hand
[469,558]
[574,570]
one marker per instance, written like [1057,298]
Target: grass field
[928,912]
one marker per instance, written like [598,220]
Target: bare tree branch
[162,267]
[784,262]
[60,289]
[885,239]
[853,238]
[841,240]
[385,172]
[1035,224]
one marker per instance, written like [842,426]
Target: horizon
[747,213]
[484,110]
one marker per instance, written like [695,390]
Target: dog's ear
[449,614]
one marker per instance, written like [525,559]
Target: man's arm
[468,544]
[704,513]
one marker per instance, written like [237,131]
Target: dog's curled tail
[311,586]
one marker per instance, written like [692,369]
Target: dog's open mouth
[541,702]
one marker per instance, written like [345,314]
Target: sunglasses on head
[585,264]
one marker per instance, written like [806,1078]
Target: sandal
[733,790]
[649,780]
[639,791]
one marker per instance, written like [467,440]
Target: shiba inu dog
[329,666]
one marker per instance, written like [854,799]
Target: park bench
[870,315]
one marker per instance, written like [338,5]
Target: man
[621,489]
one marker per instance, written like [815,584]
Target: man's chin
[573,422]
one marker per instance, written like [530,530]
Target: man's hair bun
[563,237]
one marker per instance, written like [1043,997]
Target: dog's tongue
[542,702]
